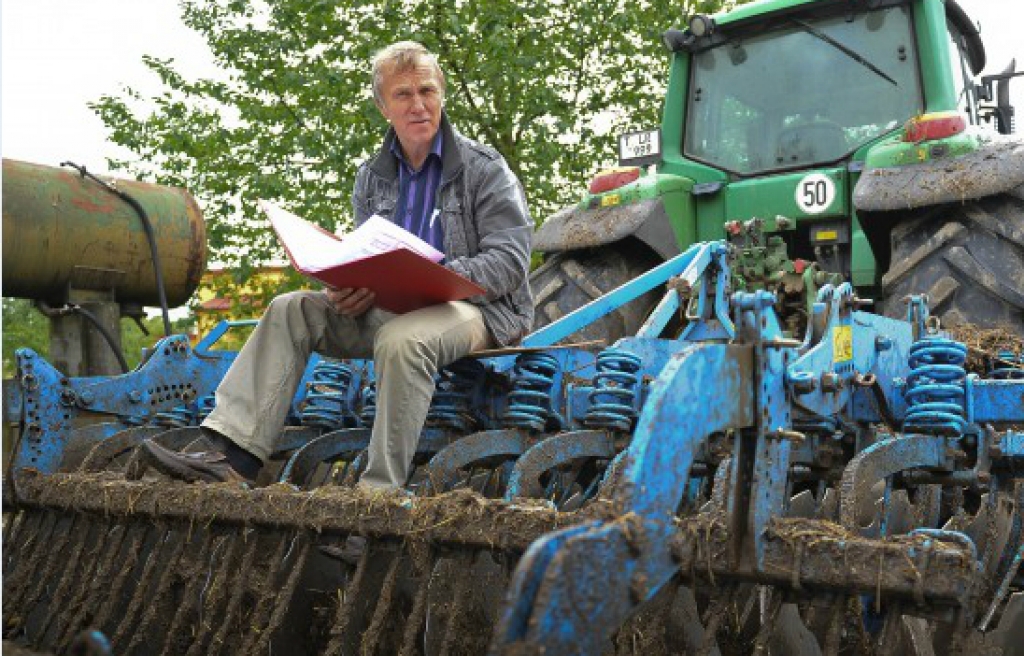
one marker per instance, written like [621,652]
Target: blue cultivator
[711,485]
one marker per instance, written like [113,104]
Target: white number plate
[639,148]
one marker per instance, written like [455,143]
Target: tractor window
[961,72]
[808,93]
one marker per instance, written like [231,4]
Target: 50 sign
[815,193]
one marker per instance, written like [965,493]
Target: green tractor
[851,132]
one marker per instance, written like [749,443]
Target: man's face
[412,105]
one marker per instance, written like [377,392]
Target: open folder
[400,269]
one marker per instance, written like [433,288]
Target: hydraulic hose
[150,237]
[91,318]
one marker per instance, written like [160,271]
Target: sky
[58,55]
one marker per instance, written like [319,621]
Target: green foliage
[25,327]
[547,84]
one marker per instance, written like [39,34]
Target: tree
[23,327]
[547,84]
[26,327]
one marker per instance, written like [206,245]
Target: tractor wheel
[968,258]
[570,280]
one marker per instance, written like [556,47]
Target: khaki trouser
[407,350]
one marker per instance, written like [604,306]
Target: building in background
[220,297]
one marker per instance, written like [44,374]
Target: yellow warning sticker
[842,343]
[610,199]
[827,235]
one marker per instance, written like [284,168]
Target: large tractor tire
[569,280]
[967,257]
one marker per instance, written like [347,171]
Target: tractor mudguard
[589,225]
[995,167]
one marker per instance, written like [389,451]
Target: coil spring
[452,405]
[368,401]
[529,403]
[935,387]
[1008,367]
[206,405]
[325,395]
[177,417]
[614,399]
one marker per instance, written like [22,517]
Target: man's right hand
[350,302]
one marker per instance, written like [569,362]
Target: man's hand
[350,302]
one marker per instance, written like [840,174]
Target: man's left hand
[351,302]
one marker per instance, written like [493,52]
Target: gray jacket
[487,226]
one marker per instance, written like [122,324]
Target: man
[457,195]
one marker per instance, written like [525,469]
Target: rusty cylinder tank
[64,232]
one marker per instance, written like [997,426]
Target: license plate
[639,148]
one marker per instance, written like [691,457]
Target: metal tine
[423,564]
[284,595]
[108,546]
[75,563]
[235,602]
[37,576]
[267,592]
[135,540]
[716,612]
[195,582]
[142,598]
[768,622]
[835,624]
[386,599]
[217,582]
[13,529]
[149,599]
[460,594]
[892,631]
[23,555]
[353,602]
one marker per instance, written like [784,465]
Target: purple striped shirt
[415,210]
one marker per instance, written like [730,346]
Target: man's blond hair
[401,57]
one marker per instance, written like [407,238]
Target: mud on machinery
[759,465]
[731,487]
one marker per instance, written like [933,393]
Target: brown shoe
[208,466]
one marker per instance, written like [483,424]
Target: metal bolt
[135,396]
[802,382]
[830,382]
[87,397]
[882,343]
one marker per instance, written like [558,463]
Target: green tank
[63,231]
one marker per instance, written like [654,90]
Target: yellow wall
[218,297]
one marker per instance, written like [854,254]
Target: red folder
[401,279]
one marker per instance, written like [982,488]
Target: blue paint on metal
[529,577]
[530,402]
[1011,445]
[709,320]
[554,452]
[950,536]
[883,459]
[329,446]
[998,401]
[698,255]
[615,399]
[443,469]
[936,387]
[663,313]
[327,399]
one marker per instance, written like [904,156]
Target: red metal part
[928,127]
[613,179]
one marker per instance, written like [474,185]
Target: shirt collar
[435,149]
